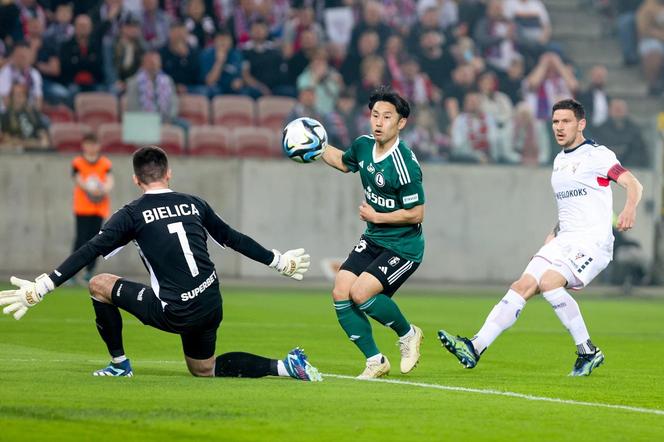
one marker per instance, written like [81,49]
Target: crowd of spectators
[481,74]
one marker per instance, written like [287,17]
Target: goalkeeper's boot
[116,369]
[586,363]
[410,349]
[298,366]
[376,369]
[460,347]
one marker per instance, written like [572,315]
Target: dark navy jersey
[170,230]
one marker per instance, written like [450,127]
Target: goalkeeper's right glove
[293,263]
[28,294]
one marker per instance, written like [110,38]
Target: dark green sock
[384,310]
[357,327]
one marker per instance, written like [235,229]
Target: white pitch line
[504,393]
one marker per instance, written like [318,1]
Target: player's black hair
[150,164]
[385,93]
[573,105]
[90,136]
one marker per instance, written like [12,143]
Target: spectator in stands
[414,85]
[470,11]
[325,80]
[81,58]
[264,70]
[473,133]
[305,106]
[61,28]
[20,70]
[426,138]
[155,24]
[368,44]
[152,90]
[107,18]
[624,135]
[128,52]
[650,24]
[240,23]
[372,20]
[277,13]
[93,181]
[463,82]
[533,27]
[495,35]
[181,61]
[427,23]
[309,42]
[511,82]
[498,105]
[301,26]
[394,54]
[373,74]
[401,15]
[221,66]
[550,82]
[446,11]
[346,122]
[21,125]
[594,99]
[626,26]
[435,59]
[28,9]
[529,141]
[201,26]
[464,52]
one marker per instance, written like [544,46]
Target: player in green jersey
[391,248]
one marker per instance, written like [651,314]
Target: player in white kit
[578,248]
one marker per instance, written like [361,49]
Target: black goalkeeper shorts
[198,335]
[388,267]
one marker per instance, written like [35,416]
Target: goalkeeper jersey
[391,182]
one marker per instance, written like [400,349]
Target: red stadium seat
[172,139]
[67,137]
[272,111]
[95,108]
[233,110]
[211,140]
[110,139]
[58,113]
[195,109]
[253,141]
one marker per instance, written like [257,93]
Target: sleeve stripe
[397,167]
[404,176]
[615,172]
[403,164]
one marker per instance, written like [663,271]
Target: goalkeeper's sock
[357,327]
[502,316]
[245,365]
[569,314]
[109,326]
[384,310]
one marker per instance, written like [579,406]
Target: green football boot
[586,363]
[460,347]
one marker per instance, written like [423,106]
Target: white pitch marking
[504,393]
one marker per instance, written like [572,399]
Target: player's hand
[294,263]
[29,293]
[626,220]
[367,213]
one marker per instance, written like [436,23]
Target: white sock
[375,358]
[568,311]
[117,360]
[281,369]
[409,334]
[502,317]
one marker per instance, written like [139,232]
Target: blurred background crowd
[481,75]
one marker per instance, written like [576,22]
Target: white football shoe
[410,349]
[374,370]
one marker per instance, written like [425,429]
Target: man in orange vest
[93,181]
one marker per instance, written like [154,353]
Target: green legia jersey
[391,182]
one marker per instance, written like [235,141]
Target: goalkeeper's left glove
[293,263]
[28,294]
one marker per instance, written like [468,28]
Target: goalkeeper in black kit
[170,231]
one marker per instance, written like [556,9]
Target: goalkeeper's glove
[293,263]
[28,294]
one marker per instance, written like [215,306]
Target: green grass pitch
[47,392]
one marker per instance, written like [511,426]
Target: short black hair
[90,136]
[385,93]
[573,105]
[150,164]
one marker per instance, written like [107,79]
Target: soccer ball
[304,140]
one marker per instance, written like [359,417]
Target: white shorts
[577,261]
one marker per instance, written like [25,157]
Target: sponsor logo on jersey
[191,294]
[394,261]
[571,193]
[379,200]
[383,269]
[380,179]
[411,198]
[371,168]
[174,211]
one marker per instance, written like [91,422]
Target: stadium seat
[172,139]
[211,140]
[253,141]
[95,108]
[67,137]
[195,109]
[59,113]
[233,110]
[272,111]
[110,138]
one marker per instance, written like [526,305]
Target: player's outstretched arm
[28,294]
[414,215]
[634,190]
[332,156]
